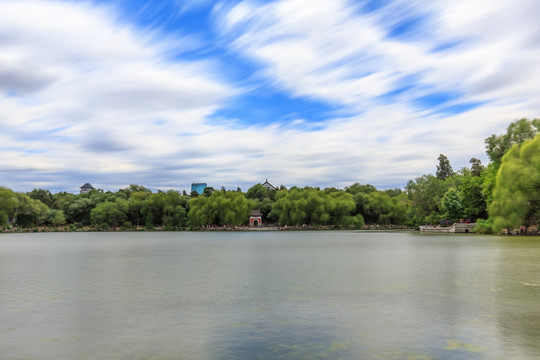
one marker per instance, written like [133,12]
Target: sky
[300,92]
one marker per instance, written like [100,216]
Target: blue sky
[309,93]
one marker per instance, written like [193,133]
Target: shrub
[483,226]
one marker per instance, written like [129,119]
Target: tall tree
[473,197]
[452,204]
[516,133]
[79,210]
[516,197]
[8,204]
[316,207]
[425,194]
[56,217]
[379,207]
[259,192]
[208,191]
[476,167]
[220,208]
[110,213]
[444,169]
[42,195]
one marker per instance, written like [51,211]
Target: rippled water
[269,295]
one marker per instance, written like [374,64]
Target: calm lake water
[269,295]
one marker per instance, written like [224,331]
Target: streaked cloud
[92,89]
[322,93]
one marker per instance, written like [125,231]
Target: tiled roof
[87,186]
[268,185]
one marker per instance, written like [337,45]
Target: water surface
[269,295]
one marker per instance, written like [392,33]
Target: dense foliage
[509,187]
[516,199]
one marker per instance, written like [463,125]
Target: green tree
[79,210]
[135,204]
[379,208]
[444,169]
[359,188]
[498,145]
[28,212]
[315,207]
[472,195]
[425,194]
[8,204]
[265,206]
[23,210]
[289,208]
[220,208]
[42,195]
[257,191]
[476,167]
[153,209]
[208,191]
[341,208]
[201,212]
[174,212]
[489,177]
[382,207]
[516,197]
[63,200]
[110,213]
[40,211]
[55,217]
[362,199]
[516,133]
[401,205]
[135,188]
[179,216]
[452,205]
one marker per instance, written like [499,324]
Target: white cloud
[329,50]
[82,89]
[87,97]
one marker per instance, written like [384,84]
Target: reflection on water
[286,295]
[517,294]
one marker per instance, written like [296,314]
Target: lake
[269,295]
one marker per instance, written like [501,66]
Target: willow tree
[315,207]
[516,197]
[220,208]
[110,213]
[8,204]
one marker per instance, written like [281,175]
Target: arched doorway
[255,219]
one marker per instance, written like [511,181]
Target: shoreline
[70,228]
[244,228]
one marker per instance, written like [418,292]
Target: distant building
[198,187]
[255,218]
[86,188]
[269,186]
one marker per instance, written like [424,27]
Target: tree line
[504,193]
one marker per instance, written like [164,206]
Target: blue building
[198,187]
